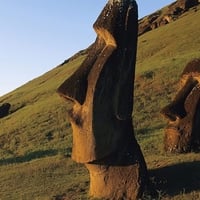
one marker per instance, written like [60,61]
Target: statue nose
[174,111]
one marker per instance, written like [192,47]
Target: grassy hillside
[36,140]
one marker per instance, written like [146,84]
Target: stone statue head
[182,133]
[102,94]
[102,87]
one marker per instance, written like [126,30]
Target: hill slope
[166,15]
[35,138]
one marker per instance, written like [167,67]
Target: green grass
[38,115]
[36,140]
[43,179]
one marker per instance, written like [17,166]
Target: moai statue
[183,131]
[101,118]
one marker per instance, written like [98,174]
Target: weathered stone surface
[185,4]
[165,16]
[182,133]
[4,109]
[101,118]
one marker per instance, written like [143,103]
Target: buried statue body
[101,118]
[183,131]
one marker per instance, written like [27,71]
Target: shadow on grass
[172,180]
[149,130]
[28,157]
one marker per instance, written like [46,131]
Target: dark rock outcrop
[183,131]
[184,4]
[4,109]
[101,118]
[165,16]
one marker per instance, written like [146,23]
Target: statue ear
[125,85]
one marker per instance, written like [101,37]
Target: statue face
[182,133]
[102,87]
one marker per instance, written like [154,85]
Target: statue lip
[174,128]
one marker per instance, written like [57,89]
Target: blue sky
[37,35]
